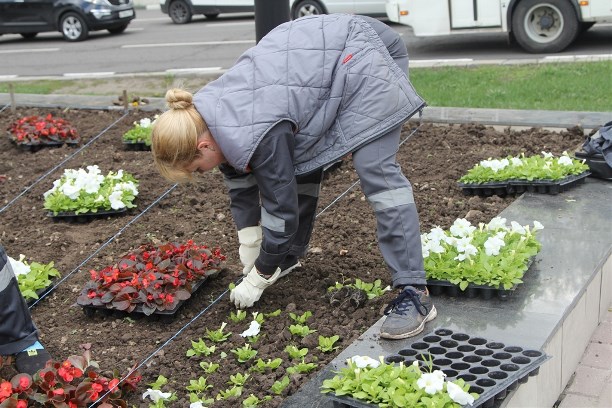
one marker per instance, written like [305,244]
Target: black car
[73,18]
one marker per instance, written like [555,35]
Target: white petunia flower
[547,155]
[493,245]
[518,228]
[436,234]
[516,161]
[145,122]
[197,404]
[458,395]
[156,395]
[115,200]
[70,190]
[431,383]
[19,268]
[253,330]
[565,161]
[462,228]
[365,361]
[496,223]
[537,226]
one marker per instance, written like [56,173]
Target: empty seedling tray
[491,368]
[520,186]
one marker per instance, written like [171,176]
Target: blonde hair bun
[179,99]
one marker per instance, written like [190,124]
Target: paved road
[152,43]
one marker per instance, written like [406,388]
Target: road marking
[5,77]
[88,74]
[192,70]
[563,58]
[29,50]
[188,44]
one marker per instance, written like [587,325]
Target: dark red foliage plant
[151,278]
[73,383]
[39,130]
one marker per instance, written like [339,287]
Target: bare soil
[343,247]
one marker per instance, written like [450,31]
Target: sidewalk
[591,384]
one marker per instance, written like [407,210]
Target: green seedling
[209,367]
[253,401]
[300,330]
[275,313]
[233,392]
[238,379]
[239,316]
[300,319]
[253,339]
[231,286]
[373,290]
[217,335]
[258,317]
[198,386]
[156,387]
[260,366]
[200,348]
[326,344]
[296,353]
[193,398]
[302,368]
[244,354]
[279,386]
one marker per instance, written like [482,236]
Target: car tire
[29,36]
[73,27]
[180,12]
[211,16]
[544,26]
[118,30]
[307,8]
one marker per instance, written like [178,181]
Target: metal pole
[269,14]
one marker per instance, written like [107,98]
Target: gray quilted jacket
[330,75]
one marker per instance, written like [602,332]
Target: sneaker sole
[432,315]
[288,270]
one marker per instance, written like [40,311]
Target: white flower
[70,190]
[493,245]
[253,330]
[18,267]
[461,228]
[547,155]
[565,161]
[126,186]
[458,395]
[115,200]
[518,228]
[431,382]
[496,223]
[156,395]
[516,161]
[145,122]
[365,361]
[436,234]
[537,226]
[495,164]
[197,404]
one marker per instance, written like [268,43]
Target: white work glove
[250,242]
[250,289]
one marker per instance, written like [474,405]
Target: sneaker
[30,361]
[290,263]
[407,314]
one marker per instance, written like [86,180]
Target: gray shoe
[407,314]
[290,263]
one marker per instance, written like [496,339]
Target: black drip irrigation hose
[111,239]
[150,356]
[60,164]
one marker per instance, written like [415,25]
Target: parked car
[181,11]
[73,18]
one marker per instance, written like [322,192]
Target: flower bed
[88,191]
[139,137]
[152,279]
[492,254]
[42,130]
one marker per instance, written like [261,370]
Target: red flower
[24,383]
[6,390]
[95,390]
[22,404]
[113,384]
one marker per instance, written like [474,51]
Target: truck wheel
[307,8]
[543,26]
[179,12]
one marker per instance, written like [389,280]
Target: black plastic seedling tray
[90,310]
[138,146]
[34,147]
[486,292]
[492,369]
[520,186]
[597,164]
[84,217]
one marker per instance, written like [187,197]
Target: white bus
[538,26]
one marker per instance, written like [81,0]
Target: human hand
[250,242]
[250,289]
